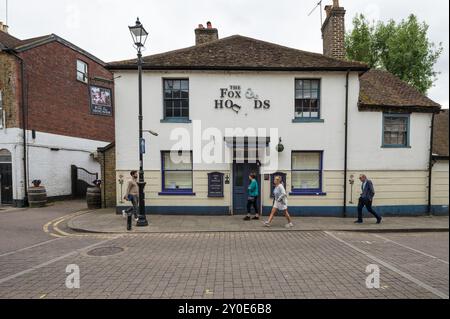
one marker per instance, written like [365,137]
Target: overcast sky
[100,26]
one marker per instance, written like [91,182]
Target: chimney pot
[205,35]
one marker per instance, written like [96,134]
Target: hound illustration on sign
[227,95]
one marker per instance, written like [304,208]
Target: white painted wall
[205,89]
[51,167]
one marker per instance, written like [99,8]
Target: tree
[403,49]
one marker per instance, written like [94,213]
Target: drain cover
[104,251]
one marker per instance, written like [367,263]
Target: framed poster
[101,100]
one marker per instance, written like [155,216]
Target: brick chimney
[333,31]
[3,27]
[205,35]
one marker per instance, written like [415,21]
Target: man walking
[132,195]
[366,199]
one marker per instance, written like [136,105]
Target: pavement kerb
[365,230]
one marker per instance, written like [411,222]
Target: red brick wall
[57,102]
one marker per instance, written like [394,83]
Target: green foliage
[400,48]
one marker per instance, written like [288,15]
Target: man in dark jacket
[366,199]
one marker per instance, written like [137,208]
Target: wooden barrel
[37,196]
[94,198]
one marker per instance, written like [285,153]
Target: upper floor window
[307,99]
[176,99]
[82,71]
[306,172]
[2,117]
[396,130]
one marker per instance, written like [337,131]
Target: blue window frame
[307,100]
[177,175]
[396,130]
[306,172]
[176,100]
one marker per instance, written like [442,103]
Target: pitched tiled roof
[440,134]
[8,41]
[382,90]
[240,53]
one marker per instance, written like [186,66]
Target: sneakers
[290,225]
[379,220]
[124,213]
[266,224]
[247,218]
[255,218]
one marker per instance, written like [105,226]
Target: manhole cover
[105,251]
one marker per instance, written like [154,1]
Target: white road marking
[29,247]
[392,268]
[410,248]
[5,279]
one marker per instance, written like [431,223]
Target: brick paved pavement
[229,265]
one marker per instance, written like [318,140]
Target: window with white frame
[82,71]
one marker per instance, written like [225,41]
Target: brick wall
[107,159]
[205,35]
[11,89]
[333,32]
[57,102]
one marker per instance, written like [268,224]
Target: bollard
[129,221]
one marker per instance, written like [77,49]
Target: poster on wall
[101,101]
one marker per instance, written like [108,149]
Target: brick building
[56,109]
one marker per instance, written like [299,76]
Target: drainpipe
[430,165]
[346,144]
[24,129]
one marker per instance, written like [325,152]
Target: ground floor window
[306,172]
[177,172]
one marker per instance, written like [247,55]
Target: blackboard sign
[215,184]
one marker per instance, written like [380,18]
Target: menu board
[215,184]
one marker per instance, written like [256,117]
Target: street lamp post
[139,35]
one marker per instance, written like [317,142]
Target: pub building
[317,120]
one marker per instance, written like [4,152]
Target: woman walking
[280,203]
[253,194]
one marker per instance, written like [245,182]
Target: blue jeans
[135,208]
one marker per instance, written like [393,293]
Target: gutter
[430,166]
[24,129]
[233,68]
[346,143]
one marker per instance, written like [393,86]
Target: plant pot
[37,197]
[94,198]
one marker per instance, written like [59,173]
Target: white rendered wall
[51,167]
[205,89]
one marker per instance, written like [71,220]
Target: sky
[101,26]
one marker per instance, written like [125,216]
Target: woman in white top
[280,203]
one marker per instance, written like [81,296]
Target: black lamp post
[139,35]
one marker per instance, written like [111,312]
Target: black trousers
[252,203]
[368,204]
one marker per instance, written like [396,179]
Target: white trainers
[266,224]
[124,213]
[290,225]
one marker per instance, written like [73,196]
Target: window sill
[169,193]
[175,120]
[294,193]
[300,120]
[395,146]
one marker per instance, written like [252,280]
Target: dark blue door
[241,171]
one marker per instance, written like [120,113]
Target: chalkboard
[215,184]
